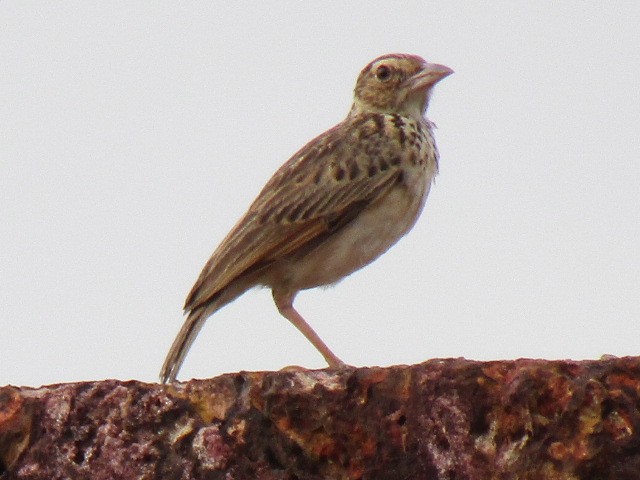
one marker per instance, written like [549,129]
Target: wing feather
[322,187]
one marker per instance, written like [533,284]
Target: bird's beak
[428,76]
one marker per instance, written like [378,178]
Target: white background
[134,134]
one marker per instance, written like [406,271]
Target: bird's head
[397,83]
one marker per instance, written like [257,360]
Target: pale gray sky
[134,134]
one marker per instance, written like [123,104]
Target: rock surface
[442,419]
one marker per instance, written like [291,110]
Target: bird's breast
[376,229]
[393,144]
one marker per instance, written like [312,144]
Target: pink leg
[284,302]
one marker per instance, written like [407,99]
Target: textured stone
[443,419]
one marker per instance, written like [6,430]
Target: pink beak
[428,76]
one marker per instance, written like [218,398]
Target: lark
[335,206]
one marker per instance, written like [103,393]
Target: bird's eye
[383,73]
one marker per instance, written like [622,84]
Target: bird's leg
[284,302]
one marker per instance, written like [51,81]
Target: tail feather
[181,345]
[193,324]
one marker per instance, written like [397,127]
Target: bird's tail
[196,318]
[181,345]
[194,322]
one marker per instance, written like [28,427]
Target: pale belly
[360,242]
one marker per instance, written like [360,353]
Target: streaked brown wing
[322,187]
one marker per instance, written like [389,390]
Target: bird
[335,206]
